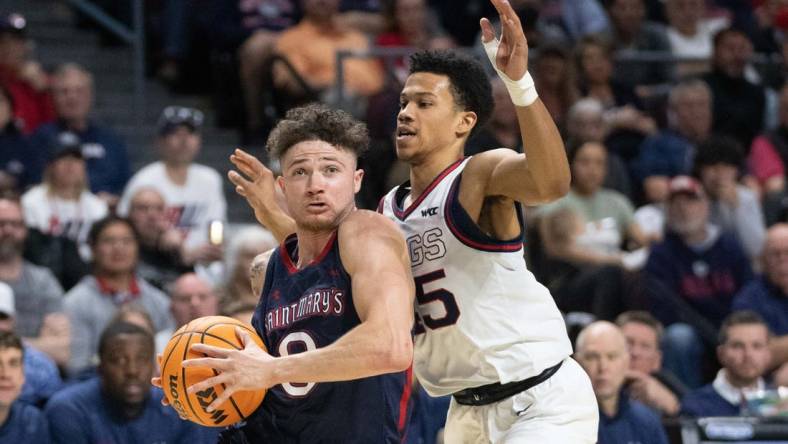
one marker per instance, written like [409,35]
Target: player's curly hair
[316,121]
[470,85]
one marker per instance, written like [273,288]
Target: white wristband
[522,91]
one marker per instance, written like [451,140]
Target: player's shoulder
[363,226]
[485,162]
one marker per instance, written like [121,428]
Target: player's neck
[422,173]
[310,245]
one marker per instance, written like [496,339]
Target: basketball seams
[224,387]
[183,378]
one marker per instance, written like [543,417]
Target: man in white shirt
[193,193]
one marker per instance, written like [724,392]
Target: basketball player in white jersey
[486,331]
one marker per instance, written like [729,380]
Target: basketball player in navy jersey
[336,307]
[486,331]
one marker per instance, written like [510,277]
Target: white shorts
[562,409]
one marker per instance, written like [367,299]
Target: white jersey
[482,317]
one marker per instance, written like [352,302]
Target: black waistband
[488,394]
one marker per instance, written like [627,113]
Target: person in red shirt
[24,78]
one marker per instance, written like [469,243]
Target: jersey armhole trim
[466,231]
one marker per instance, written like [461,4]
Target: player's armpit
[257,271]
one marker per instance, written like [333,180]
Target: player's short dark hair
[643,318]
[118,328]
[316,121]
[470,85]
[742,317]
[10,340]
[719,149]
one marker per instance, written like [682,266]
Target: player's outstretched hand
[512,55]
[247,369]
[253,180]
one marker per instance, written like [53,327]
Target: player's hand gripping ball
[218,331]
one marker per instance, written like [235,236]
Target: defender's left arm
[541,174]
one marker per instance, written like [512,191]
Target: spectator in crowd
[193,193]
[191,297]
[37,294]
[42,377]
[104,152]
[768,160]
[585,123]
[646,380]
[23,77]
[136,314]
[690,33]
[743,352]
[579,18]
[768,296]
[734,207]
[62,205]
[19,421]
[93,302]
[692,276]
[461,20]
[120,405]
[671,152]
[768,17]
[739,105]
[161,245]
[502,130]
[18,161]
[584,233]
[602,351]
[250,29]
[316,62]
[244,246]
[631,32]
[554,77]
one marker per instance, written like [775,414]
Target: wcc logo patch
[432,211]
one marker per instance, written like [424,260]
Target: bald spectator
[161,245]
[191,297]
[315,62]
[104,151]
[768,296]
[602,351]
[744,354]
[241,251]
[646,381]
[38,297]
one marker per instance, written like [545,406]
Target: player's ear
[280,181]
[358,175]
[467,122]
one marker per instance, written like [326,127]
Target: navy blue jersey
[310,308]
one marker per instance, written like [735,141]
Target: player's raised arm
[542,173]
[255,182]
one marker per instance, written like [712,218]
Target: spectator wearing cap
[744,354]
[104,151]
[692,276]
[62,205]
[734,207]
[768,296]
[93,302]
[24,78]
[193,193]
[42,377]
[19,421]
[19,163]
[38,297]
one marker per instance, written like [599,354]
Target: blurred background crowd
[669,256]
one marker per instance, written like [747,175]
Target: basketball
[217,331]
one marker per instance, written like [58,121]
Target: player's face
[115,251]
[745,355]
[12,375]
[604,357]
[319,182]
[644,354]
[126,368]
[429,119]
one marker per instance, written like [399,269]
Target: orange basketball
[218,331]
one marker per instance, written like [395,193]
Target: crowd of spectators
[671,249]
